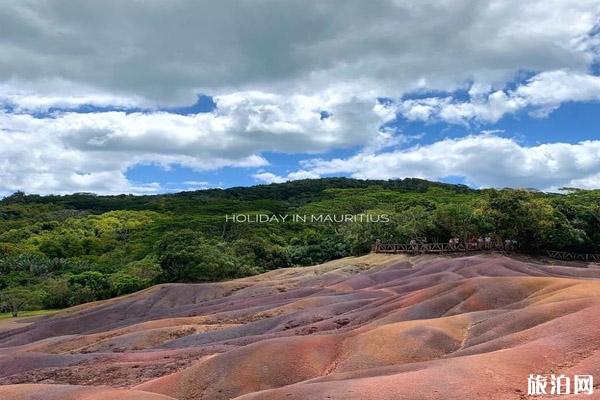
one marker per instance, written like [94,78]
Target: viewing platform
[438,247]
[419,248]
[565,256]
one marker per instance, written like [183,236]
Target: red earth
[374,327]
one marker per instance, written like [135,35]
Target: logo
[540,385]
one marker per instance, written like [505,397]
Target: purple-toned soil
[374,327]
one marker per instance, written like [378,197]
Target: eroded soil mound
[373,327]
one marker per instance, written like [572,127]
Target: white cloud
[272,67]
[293,176]
[269,177]
[72,151]
[166,52]
[484,160]
[541,94]
[28,97]
[192,185]
[92,152]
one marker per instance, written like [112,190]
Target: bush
[121,283]
[16,299]
[89,286]
[57,294]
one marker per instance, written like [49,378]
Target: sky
[161,96]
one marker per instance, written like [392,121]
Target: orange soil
[374,327]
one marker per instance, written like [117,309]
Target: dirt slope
[373,327]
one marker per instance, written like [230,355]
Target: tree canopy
[57,251]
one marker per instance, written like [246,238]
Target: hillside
[59,251]
[376,326]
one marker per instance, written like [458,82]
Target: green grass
[32,313]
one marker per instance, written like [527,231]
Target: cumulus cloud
[483,160]
[269,177]
[541,94]
[274,69]
[72,151]
[166,52]
[34,97]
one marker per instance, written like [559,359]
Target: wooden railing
[436,247]
[392,248]
[562,255]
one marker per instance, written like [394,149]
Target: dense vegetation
[57,251]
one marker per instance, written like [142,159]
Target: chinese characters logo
[539,385]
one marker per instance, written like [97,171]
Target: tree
[458,220]
[122,284]
[90,285]
[145,270]
[57,293]
[16,299]
[519,214]
[360,236]
[84,247]
[415,223]
[189,256]
[260,253]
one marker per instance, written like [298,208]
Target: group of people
[474,243]
[485,243]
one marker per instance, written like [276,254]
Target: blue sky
[258,93]
[571,123]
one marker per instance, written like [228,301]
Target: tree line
[59,251]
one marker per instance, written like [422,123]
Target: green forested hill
[57,251]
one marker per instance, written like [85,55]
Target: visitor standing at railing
[480,242]
[413,245]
